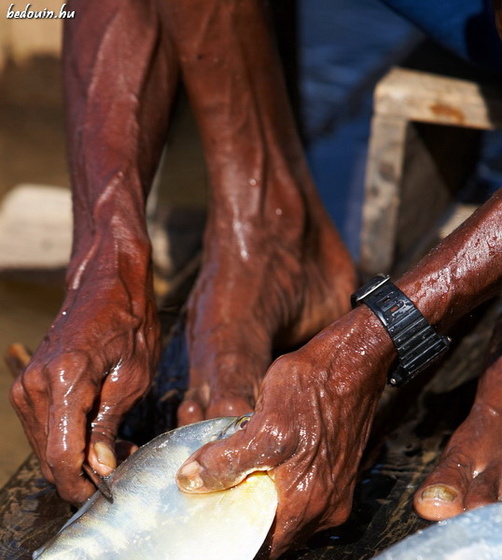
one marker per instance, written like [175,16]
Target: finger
[228,407]
[191,409]
[442,493]
[189,412]
[119,392]
[65,453]
[73,389]
[302,511]
[31,402]
[484,489]
[223,464]
[124,449]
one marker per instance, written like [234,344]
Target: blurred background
[341,49]
[31,151]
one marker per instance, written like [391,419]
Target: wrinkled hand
[309,430]
[94,363]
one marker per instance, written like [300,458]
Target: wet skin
[274,271]
[311,445]
[273,265]
[469,472]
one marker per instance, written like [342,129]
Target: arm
[317,404]
[97,358]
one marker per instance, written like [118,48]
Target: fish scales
[472,535]
[151,518]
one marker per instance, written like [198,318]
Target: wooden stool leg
[383,181]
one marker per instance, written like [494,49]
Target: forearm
[462,271]
[459,274]
[120,77]
[233,76]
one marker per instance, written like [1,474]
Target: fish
[474,534]
[149,517]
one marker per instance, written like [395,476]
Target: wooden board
[35,228]
[425,137]
[424,97]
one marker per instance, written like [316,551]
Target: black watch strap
[416,341]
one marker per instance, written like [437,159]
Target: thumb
[101,458]
[226,463]
[101,455]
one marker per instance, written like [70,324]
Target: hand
[94,363]
[309,429]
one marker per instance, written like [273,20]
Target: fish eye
[243,421]
[238,424]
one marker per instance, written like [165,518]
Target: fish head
[235,425]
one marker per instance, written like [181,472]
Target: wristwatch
[417,343]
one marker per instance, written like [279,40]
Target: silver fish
[151,518]
[475,534]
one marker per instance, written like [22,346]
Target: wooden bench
[424,141]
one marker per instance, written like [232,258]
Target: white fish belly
[151,518]
[473,535]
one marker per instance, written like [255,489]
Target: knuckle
[105,428]
[17,395]
[77,361]
[47,472]
[31,379]
[74,491]
[189,412]
[293,364]
[283,362]
[337,516]
[57,458]
[228,407]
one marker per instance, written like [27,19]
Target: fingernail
[104,455]
[189,476]
[439,492]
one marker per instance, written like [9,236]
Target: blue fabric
[346,45]
[466,27]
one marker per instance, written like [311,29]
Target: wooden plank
[438,162]
[35,227]
[30,511]
[382,193]
[417,163]
[419,96]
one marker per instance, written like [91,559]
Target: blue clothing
[346,46]
[466,27]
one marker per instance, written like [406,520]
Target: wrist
[364,343]
[417,343]
[430,294]
[112,212]
[375,338]
[105,258]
